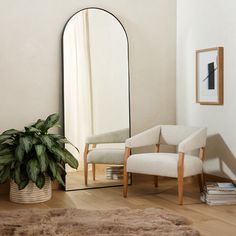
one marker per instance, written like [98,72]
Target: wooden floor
[209,220]
[75,180]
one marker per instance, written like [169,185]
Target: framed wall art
[209,76]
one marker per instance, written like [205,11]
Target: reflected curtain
[77,70]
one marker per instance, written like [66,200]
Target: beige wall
[204,24]
[30,58]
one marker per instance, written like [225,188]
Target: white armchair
[167,164]
[114,156]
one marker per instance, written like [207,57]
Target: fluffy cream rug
[75,222]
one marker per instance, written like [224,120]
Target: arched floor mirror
[96,97]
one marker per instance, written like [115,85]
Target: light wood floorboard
[209,220]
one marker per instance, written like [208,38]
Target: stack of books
[114,172]
[219,194]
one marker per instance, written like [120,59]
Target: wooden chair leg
[86,173]
[93,170]
[86,149]
[180,190]
[156,181]
[181,178]
[201,182]
[201,179]
[125,189]
[126,174]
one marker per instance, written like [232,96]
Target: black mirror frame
[63,104]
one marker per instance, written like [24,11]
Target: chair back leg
[201,182]
[94,171]
[156,181]
[201,179]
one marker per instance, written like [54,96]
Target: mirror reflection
[96,97]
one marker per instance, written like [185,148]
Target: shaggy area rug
[73,222]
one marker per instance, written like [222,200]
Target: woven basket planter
[31,193]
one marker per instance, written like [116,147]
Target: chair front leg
[181,177]
[126,175]
[86,149]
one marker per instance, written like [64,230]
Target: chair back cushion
[118,136]
[174,134]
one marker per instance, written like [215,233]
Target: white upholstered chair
[113,156]
[177,165]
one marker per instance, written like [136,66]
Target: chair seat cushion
[163,164]
[106,156]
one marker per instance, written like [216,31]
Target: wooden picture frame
[209,76]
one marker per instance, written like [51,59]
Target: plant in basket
[33,157]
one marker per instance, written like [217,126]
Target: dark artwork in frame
[211,76]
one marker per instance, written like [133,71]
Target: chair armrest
[194,141]
[146,138]
[118,136]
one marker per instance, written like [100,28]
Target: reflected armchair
[113,156]
[167,164]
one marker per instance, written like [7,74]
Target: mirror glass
[96,97]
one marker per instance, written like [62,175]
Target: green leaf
[17,176]
[23,183]
[58,125]
[71,160]
[33,169]
[5,174]
[56,136]
[19,153]
[11,132]
[49,173]
[53,168]
[4,145]
[27,143]
[42,157]
[36,140]
[39,124]
[59,179]
[40,181]
[32,129]
[47,141]
[61,168]
[6,150]
[65,140]
[58,152]
[4,137]
[23,177]
[6,159]
[51,121]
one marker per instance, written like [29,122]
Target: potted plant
[30,159]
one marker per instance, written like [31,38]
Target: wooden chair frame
[86,150]
[180,172]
